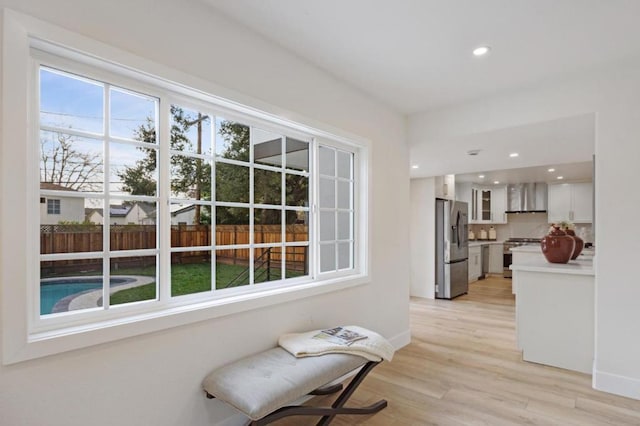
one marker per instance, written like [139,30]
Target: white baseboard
[401,340]
[616,384]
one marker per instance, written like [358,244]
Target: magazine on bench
[340,335]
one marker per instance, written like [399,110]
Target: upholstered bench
[261,385]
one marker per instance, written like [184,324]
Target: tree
[62,164]
[189,176]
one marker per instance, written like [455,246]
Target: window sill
[70,338]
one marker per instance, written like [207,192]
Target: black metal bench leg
[353,385]
[328,413]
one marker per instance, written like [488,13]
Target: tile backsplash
[528,225]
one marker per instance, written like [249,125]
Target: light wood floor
[462,368]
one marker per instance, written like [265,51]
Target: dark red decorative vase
[579,243]
[557,247]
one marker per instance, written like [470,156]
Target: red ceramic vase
[579,244]
[557,247]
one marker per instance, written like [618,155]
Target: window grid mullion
[163,140]
[251,209]
[106,226]
[283,212]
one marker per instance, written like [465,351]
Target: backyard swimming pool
[56,290]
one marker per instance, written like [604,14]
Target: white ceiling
[415,55]
[572,172]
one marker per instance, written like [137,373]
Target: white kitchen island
[555,312]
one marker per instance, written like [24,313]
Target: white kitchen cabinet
[488,205]
[570,201]
[495,258]
[475,263]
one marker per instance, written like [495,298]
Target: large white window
[183,200]
[146,202]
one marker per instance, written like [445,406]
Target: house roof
[180,208]
[54,187]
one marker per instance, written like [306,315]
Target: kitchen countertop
[587,253]
[574,267]
[478,243]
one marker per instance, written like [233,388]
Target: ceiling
[571,172]
[416,55]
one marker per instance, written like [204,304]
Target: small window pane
[267,264]
[345,169]
[133,279]
[190,131]
[77,229]
[190,177]
[267,225]
[297,226]
[232,225]
[133,116]
[71,163]
[327,226]
[232,183]
[327,160]
[344,255]
[296,262]
[267,187]
[232,216]
[67,101]
[190,272]
[267,148]
[327,193]
[190,235]
[134,169]
[70,285]
[231,268]
[297,155]
[344,194]
[132,225]
[297,189]
[327,257]
[344,225]
[53,206]
[232,140]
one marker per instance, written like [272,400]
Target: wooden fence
[89,238]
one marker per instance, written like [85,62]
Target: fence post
[269,264]
[305,263]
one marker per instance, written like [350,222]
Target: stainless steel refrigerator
[452,249]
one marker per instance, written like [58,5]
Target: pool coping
[93,298]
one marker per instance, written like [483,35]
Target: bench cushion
[262,383]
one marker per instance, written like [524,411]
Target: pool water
[53,291]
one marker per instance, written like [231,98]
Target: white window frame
[26,337]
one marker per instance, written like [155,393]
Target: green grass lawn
[191,278]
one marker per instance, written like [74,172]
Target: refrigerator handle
[458,229]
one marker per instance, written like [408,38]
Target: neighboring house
[135,214]
[183,213]
[59,208]
[141,214]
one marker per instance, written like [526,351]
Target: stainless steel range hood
[527,198]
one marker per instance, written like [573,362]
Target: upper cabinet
[486,204]
[572,202]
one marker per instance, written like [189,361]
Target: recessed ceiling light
[481,51]
[560,177]
[551,170]
[496,182]
[481,176]
[415,166]
[513,154]
[473,152]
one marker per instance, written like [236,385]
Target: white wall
[155,379]
[614,95]
[423,228]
